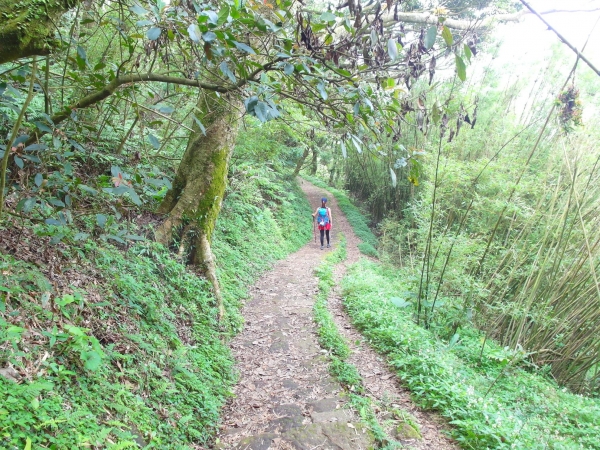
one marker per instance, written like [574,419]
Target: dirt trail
[286,398]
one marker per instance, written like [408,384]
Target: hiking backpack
[322,217]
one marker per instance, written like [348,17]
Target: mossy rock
[407,431]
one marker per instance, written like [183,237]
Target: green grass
[133,351]
[494,402]
[330,339]
[357,220]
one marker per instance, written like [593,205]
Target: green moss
[209,205]
[28,25]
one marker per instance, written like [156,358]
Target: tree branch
[428,18]
[567,43]
[111,87]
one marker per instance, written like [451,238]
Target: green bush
[496,401]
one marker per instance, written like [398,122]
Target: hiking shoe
[321,247]
[328,246]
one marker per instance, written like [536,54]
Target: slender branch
[457,24]
[13,135]
[562,38]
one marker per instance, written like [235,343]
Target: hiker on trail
[324,221]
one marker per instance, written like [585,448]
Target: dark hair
[323,202]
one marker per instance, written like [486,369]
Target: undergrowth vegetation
[491,394]
[119,346]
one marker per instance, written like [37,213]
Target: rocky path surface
[285,398]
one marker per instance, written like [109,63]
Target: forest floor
[285,397]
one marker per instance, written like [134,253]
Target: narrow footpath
[285,398]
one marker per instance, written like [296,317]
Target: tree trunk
[301,162]
[28,26]
[333,171]
[315,162]
[194,202]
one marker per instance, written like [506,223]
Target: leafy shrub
[490,395]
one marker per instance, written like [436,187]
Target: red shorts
[326,227]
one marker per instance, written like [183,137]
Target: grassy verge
[331,340]
[357,220]
[106,348]
[494,401]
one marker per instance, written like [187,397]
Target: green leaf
[114,238]
[447,35]
[81,57]
[39,179]
[322,91]
[461,68]
[153,33]
[223,15]
[56,202]
[36,147]
[166,109]
[135,198]
[194,32]
[43,127]
[261,111]
[288,69]
[356,143]
[328,16]
[374,37]
[392,49]
[87,189]
[101,220]
[224,67]
[211,17]
[29,205]
[399,302]
[430,37]
[245,48]
[81,236]
[468,52]
[202,128]
[92,360]
[154,141]
[27,444]
[134,237]
[389,83]
[393,176]
[209,36]
[137,9]
[19,162]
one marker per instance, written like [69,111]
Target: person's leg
[322,232]
[327,233]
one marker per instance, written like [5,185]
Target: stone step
[323,435]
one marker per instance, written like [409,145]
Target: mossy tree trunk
[300,162]
[194,202]
[333,171]
[27,26]
[315,161]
